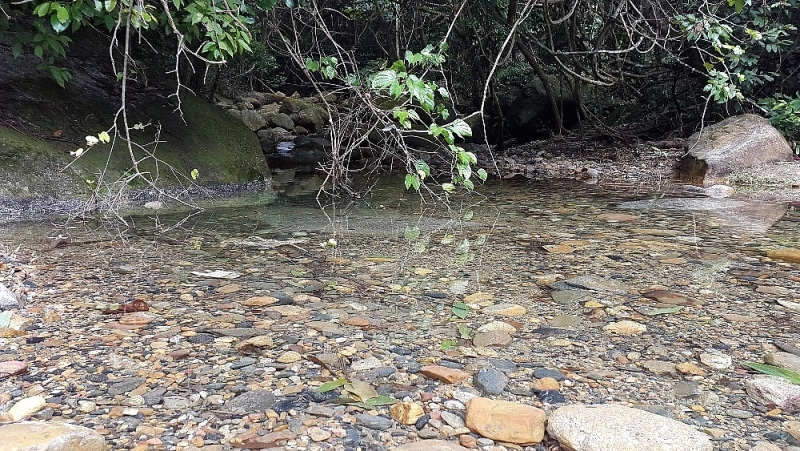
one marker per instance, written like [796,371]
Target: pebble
[374,421]
[365,364]
[444,374]
[505,310]
[24,408]
[716,361]
[498,325]
[318,434]
[251,401]
[611,427]
[505,421]
[406,412]
[491,338]
[625,327]
[430,445]
[490,380]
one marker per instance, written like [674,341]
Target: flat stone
[782,359]
[616,217]
[365,364]
[505,310]
[325,327]
[444,374]
[56,436]
[260,301]
[774,391]
[491,338]
[290,310]
[125,385]
[318,434]
[770,289]
[505,421]
[596,283]
[251,402]
[611,427]
[658,366]
[290,357]
[430,445]
[374,421]
[559,248]
[625,327]
[786,254]
[176,403]
[239,332]
[690,368]
[568,297]
[668,297]
[12,367]
[498,325]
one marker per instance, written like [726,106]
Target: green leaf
[312,65]
[62,14]
[110,5]
[482,174]
[412,181]
[468,215]
[792,376]
[38,51]
[399,67]
[291,4]
[463,248]
[103,137]
[448,187]
[449,344]
[57,25]
[465,332]
[42,9]
[469,185]
[331,385]
[411,233]
[665,310]
[195,173]
[384,79]
[381,400]
[460,128]
[460,309]
[16,49]
[422,169]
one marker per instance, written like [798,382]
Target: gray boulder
[732,145]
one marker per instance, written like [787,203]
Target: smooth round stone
[453,420]
[738,413]
[551,397]
[540,373]
[176,403]
[374,421]
[490,380]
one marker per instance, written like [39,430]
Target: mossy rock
[206,138]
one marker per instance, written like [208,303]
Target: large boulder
[732,145]
[306,113]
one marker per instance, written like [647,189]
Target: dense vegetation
[607,65]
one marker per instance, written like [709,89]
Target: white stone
[53,436]
[611,427]
[774,391]
[716,360]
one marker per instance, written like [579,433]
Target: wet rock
[430,445]
[774,391]
[283,121]
[40,436]
[8,300]
[444,374]
[733,145]
[505,421]
[252,401]
[781,359]
[613,427]
[490,380]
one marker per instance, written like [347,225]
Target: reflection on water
[550,210]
